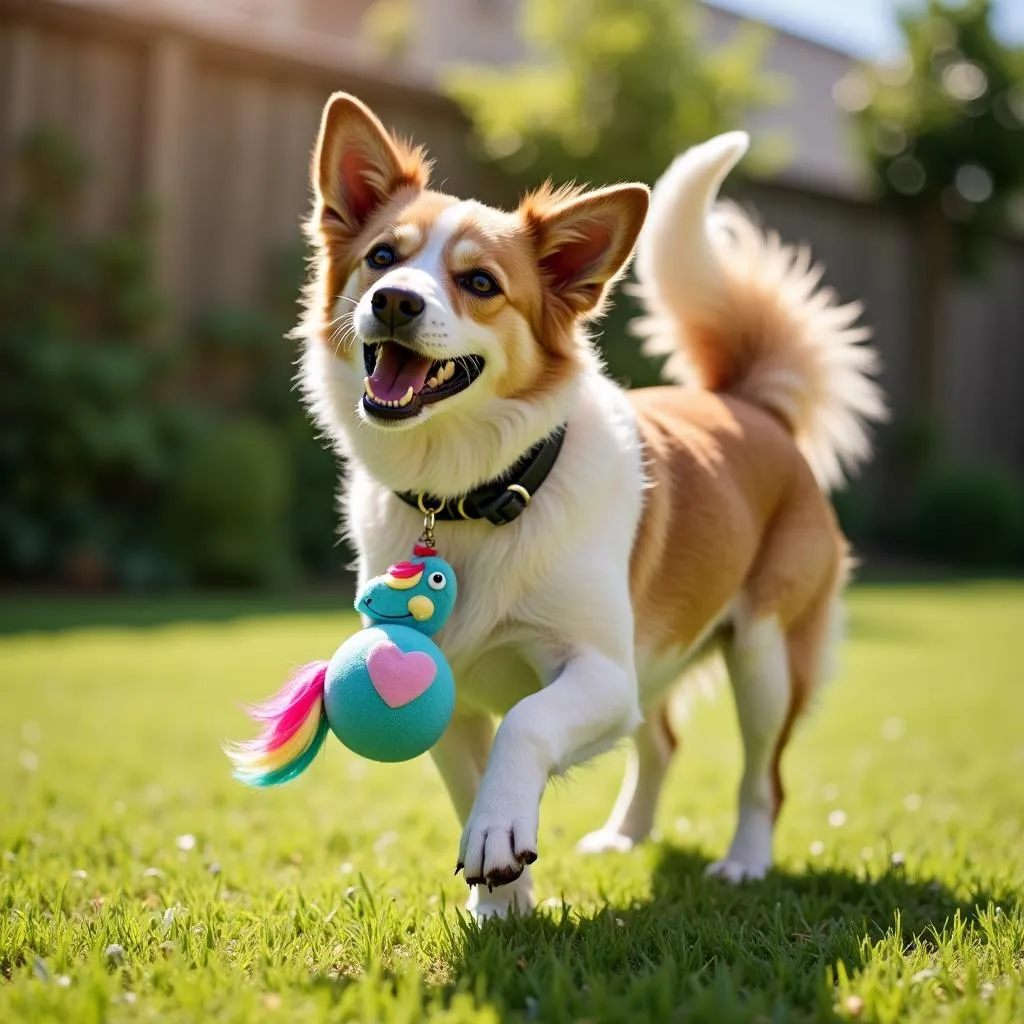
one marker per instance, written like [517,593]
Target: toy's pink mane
[293,729]
[405,570]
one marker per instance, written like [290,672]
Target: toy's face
[419,594]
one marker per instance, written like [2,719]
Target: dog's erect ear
[584,239]
[358,164]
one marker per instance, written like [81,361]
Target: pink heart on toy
[399,677]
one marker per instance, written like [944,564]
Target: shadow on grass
[699,949]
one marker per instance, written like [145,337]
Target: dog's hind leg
[758,663]
[461,757]
[632,817]
[774,669]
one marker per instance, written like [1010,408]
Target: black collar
[502,500]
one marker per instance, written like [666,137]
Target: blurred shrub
[856,513]
[89,439]
[230,507]
[314,515]
[971,514]
[243,365]
[99,414]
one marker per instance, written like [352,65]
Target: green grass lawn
[139,882]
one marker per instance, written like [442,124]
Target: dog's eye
[381,257]
[479,282]
[437,581]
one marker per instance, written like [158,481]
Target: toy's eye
[437,581]
[479,282]
[381,257]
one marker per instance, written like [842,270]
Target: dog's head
[441,321]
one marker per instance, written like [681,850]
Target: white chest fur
[530,591]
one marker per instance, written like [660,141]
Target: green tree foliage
[944,133]
[612,91]
[946,127]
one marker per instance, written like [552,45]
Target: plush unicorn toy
[387,694]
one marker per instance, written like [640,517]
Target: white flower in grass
[854,1006]
[384,841]
[837,819]
[893,729]
[186,842]
[817,848]
[29,760]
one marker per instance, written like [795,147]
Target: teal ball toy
[387,694]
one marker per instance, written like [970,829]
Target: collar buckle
[507,506]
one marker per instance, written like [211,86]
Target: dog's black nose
[396,307]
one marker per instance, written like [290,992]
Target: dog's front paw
[736,870]
[496,849]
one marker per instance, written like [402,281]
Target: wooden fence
[218,130]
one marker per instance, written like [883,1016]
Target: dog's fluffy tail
[738,312]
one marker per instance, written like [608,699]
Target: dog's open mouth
[401,382]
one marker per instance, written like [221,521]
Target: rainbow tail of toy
[294,729]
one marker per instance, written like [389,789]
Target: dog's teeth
[368,389]
[433,382]
[449,370]
[407,397]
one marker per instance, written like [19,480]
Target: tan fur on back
[732,507]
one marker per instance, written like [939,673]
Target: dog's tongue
[397,368]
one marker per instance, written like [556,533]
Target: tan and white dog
[444,339]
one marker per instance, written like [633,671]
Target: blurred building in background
[209,110]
